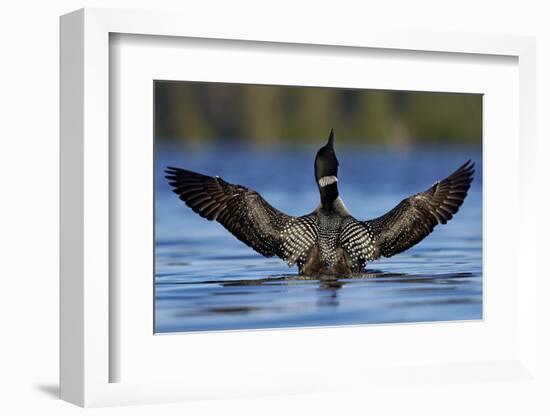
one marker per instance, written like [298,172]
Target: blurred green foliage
[198,111]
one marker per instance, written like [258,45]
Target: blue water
[205,279]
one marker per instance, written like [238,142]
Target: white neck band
[327,180]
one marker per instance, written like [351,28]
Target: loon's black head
[326,164]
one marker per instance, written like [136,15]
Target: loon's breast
[327,256]
[316,264]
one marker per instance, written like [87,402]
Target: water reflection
[325,282]
[328,288]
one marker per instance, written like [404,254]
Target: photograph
[282,206]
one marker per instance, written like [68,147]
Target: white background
[29,205]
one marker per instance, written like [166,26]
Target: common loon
[329,241]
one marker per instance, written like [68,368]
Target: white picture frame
[87,302]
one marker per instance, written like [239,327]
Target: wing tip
[170,173]
[464,175]
[468,166]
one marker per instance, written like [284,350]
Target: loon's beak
[331,138]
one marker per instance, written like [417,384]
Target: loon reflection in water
[329,285]
[328,241]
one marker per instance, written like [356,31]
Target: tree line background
[202,112]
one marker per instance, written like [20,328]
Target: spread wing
[412,219]
[245,214]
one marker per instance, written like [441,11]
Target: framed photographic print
[270,213]
[387,146]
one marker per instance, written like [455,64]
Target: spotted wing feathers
[297,238]
[415,217]
[245,214]
[357,238]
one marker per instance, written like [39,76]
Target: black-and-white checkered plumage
[329,240]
